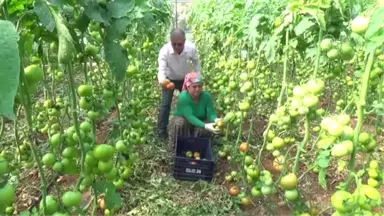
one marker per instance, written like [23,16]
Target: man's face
[177,42]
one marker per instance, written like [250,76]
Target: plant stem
[285,166]
[26,101]
[318,53]
[46,92]
[75,120]
[53,86]
[2,126]
[250,129]
[240,129]
[85,61]
[284,85]
[17,140]
[282,92]
[360,113]
[380,93]
[302,144]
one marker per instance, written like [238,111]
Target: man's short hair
[177,31]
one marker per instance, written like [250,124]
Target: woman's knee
[180,121]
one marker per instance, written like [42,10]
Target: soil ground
[152,190]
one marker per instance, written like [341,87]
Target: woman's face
[195,89]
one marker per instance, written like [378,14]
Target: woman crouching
[194,114]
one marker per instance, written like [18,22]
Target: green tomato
[49,159]
[326,44]
[71,198]
[291,195]
[278,142]
[266,190]
[367,197]
[255,192]
[347,52]
[333,54]
[343,201]
[7,195]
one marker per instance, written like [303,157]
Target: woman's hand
[211,127]
[217,120]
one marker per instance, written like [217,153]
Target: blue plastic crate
[190,168]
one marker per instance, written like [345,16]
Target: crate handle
[191,141]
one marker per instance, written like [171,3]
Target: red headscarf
[191,78]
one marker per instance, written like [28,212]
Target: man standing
[173,61]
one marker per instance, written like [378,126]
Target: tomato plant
[71,64]
[313,70]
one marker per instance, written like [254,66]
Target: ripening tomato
[170,86]
[243,147]
[234,191]
[343,201]
[359,24]
[288,181]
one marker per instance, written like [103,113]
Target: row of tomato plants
[79,62]
[314,71]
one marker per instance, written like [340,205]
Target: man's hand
[168,84]
[165,83]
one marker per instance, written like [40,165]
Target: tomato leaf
[26,42]
[57,2]
[375,26]
[46,18]
[340,5]
[120,25]
[270,48]
[25,213]
[322,161]
[95,12]
[323,158]
[253,33]
[115,55]
[303,25]
[316,13]
[321,3]
[293,43]
[371,46]
[321,178]
[112,198]
[379,110]
[66,43]
[19,5]
[120,8]
[82,22]
[9,67]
